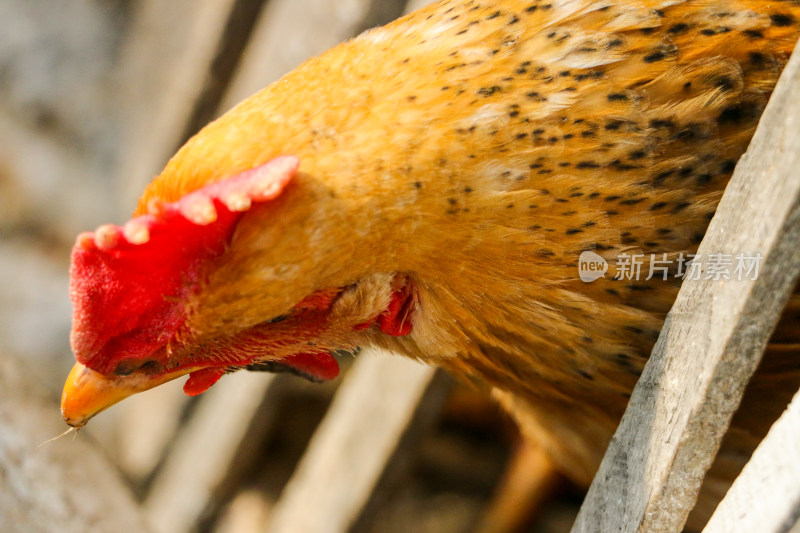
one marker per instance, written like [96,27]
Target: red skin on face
[128,284]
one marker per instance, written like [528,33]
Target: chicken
[428,187]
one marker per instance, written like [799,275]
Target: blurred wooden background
[94,98]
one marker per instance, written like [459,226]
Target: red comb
[127,282]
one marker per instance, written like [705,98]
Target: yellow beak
[87,392]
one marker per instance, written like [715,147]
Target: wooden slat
[384,401]
[67,485]
[144,427]
[766,495]
[287,33]
[164,70]
[211,449]
[247,512]
[413,5]
[711,342]
[47,183]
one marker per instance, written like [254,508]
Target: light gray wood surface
[712,340]
[383,399]
[766,495]
[164,70]
[209,450]
[67,485]
[279,42]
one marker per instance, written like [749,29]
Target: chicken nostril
[127,367]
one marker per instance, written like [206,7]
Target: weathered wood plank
[212,448]
[413,5]
[766,495]
[287,33]
[383,401]
[142,429]
[66,486]
[165,67]
[711,342]
[40,186]
[247,512]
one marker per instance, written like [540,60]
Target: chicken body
[466,155]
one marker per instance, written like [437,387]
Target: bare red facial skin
[309,318]
[315,366]
[127,284]
[201,380]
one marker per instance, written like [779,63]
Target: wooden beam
[165,67]
[215,445]
[413,5]
[143,428]
[384,402]
[712,340]
[287,33]
[47,183]
[766,495]
[67,485]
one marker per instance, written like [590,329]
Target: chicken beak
[87,392]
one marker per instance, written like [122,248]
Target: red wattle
[201,380]
[319,366]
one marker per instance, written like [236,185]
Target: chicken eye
[129,366]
